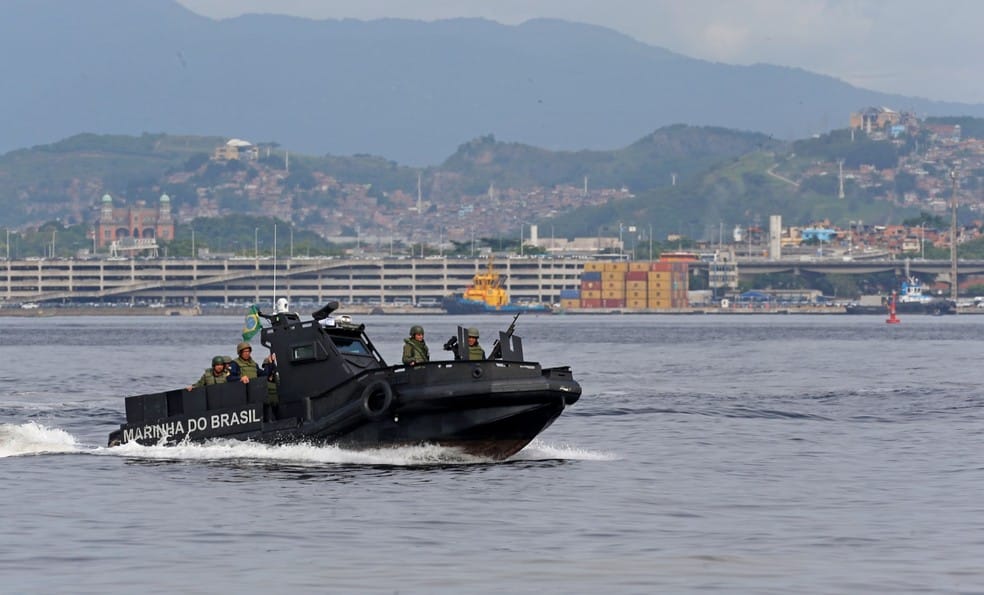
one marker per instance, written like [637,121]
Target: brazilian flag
[251,326]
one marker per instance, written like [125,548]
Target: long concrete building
[417,281]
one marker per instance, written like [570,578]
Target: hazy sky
[923,48]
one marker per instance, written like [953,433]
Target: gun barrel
[496,351]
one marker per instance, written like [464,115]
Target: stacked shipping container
[630,286]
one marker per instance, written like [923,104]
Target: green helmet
[472,332]
[218,361]
[415,329]
[243,345]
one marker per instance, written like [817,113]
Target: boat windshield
[350,346]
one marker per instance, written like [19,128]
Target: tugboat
[335,388]
[911,300]
[487,296]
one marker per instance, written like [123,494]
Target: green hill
[63,179]
[651,162]
[684,179]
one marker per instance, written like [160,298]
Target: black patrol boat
[335,388]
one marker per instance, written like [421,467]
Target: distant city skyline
[910,47]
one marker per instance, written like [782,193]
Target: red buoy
[892,319]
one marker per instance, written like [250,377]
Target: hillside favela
[686,219]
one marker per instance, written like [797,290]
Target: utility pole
[840,179]
[850,238]
[953,238]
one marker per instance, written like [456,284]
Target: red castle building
[138,222]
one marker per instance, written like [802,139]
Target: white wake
[33,438]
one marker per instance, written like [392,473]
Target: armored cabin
[313,358]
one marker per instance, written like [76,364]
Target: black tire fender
[377,399]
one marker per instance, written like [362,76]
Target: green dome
[165,198]
[107,198]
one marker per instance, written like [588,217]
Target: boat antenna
[274,265]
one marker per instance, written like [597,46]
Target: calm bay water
[731,454]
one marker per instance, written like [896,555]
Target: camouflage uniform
[475,352]
[210,377]
[414,351]
[273,396]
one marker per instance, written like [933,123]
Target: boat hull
[935,307]
[460,305]
[486,409]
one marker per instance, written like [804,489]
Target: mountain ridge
[405,90]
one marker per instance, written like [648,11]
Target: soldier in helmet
[415,349]
[217,374]
[244,367]
[475,350]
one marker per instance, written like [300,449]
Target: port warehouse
[377,281]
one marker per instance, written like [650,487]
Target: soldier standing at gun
[497,346]
[472,351]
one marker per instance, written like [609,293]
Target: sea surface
[708,454]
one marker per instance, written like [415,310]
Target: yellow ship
[486,295]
